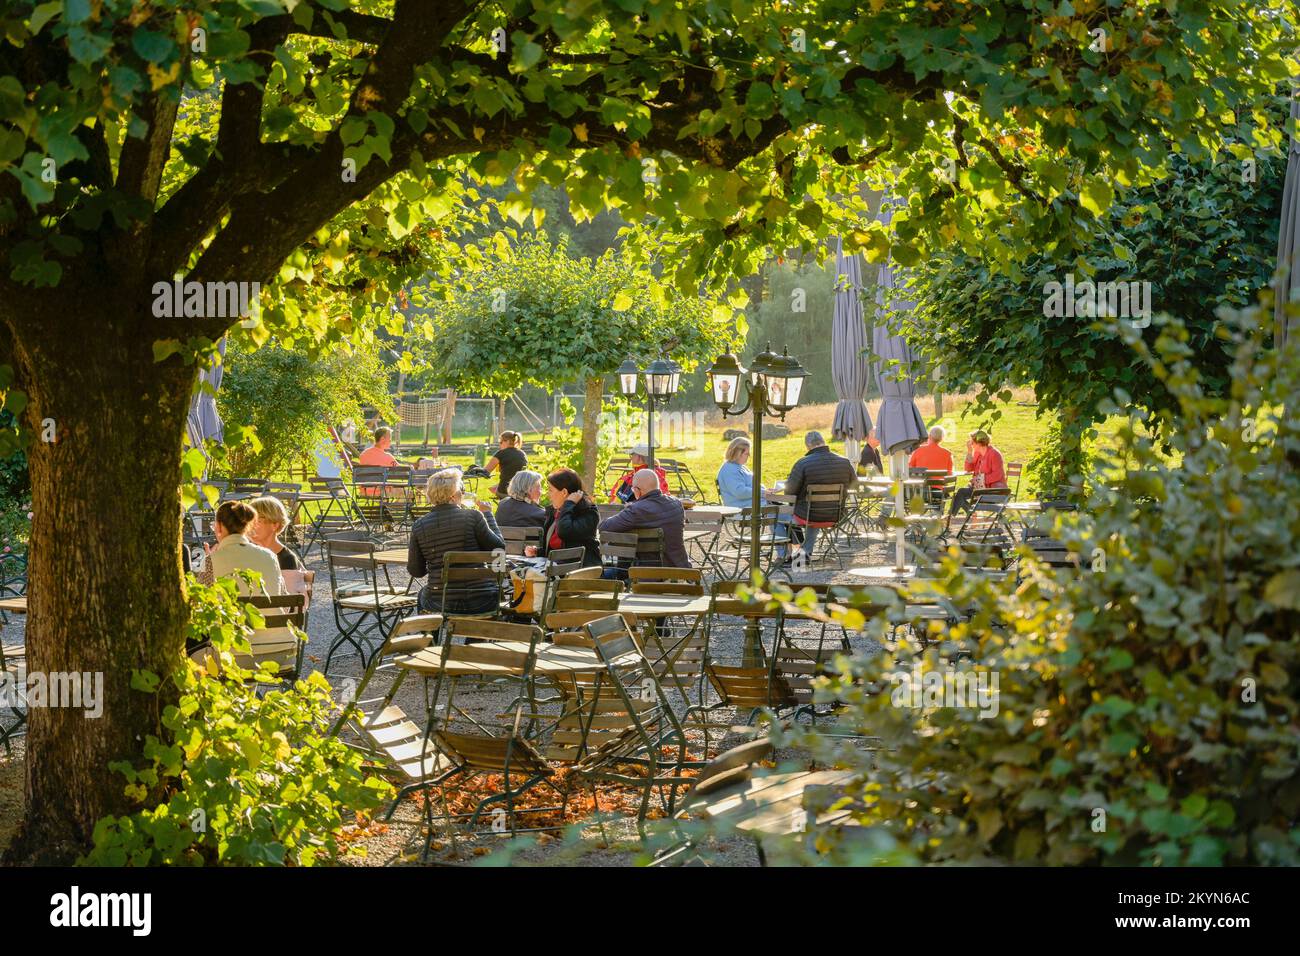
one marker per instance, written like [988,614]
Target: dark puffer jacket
[451,528]
[820,466]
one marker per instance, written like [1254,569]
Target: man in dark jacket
[819,466]
[653,509]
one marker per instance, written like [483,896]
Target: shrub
[245,780]
[1146,707]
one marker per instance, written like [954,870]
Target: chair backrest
[582,593]
[255,486]
[279,639]
[464,568]
[632,678]
[517,539]
[608,511]
[369,474]
[825,502]
[481,630]
[667,581]
[565,561]
[643,546]
[331,486]
[412,634]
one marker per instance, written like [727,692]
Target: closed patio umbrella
[899,425]
[1287,286]
[849,363]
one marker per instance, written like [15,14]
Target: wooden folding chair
[643,547]
[368,604]
[654,741]
[701,535]
[474,749]
[13,660]
[461,571]
[282,637]
[827,512]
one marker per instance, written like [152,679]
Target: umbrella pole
[899,469]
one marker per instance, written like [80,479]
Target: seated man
[653,509]
[639,456]
[819,466]
[932,455]
[378,454]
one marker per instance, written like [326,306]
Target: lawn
[1017,434]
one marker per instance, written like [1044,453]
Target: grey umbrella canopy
[1287,287]
[850,367]
[899,425]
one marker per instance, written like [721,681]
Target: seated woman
[450,527]
[235,552]
[510,459]
[735,480]
[987,472]
[272,519]
[571,519]
[521,508]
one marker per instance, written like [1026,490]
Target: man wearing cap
[651,508]
[639,454]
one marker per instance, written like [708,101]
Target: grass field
[1017,434]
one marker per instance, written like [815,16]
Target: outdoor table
[18,605]
[721,512]
[772,804]
[392,556]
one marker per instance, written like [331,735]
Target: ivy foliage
[245,779]
[1147,707]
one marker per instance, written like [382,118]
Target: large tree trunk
[105,588]
[591,432]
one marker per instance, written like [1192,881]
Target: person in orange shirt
[932,454]
[378,454]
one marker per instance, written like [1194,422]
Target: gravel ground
[399,842]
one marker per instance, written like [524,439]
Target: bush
[245,780]
[1146,707]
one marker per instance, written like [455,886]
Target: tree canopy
[539,315]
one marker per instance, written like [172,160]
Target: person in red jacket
[638,457]
[986,468]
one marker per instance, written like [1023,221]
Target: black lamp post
[771,386]
[662,376]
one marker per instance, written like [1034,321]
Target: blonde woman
[449,527]
[272,519]
[735,480]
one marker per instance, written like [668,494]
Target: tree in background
[291,398]
[1204,238]
[325,152]
[534,313]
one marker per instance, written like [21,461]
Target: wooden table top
[392,556]
[552,660]
[715,511]
[772,803]
[18,604]
[662,605]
